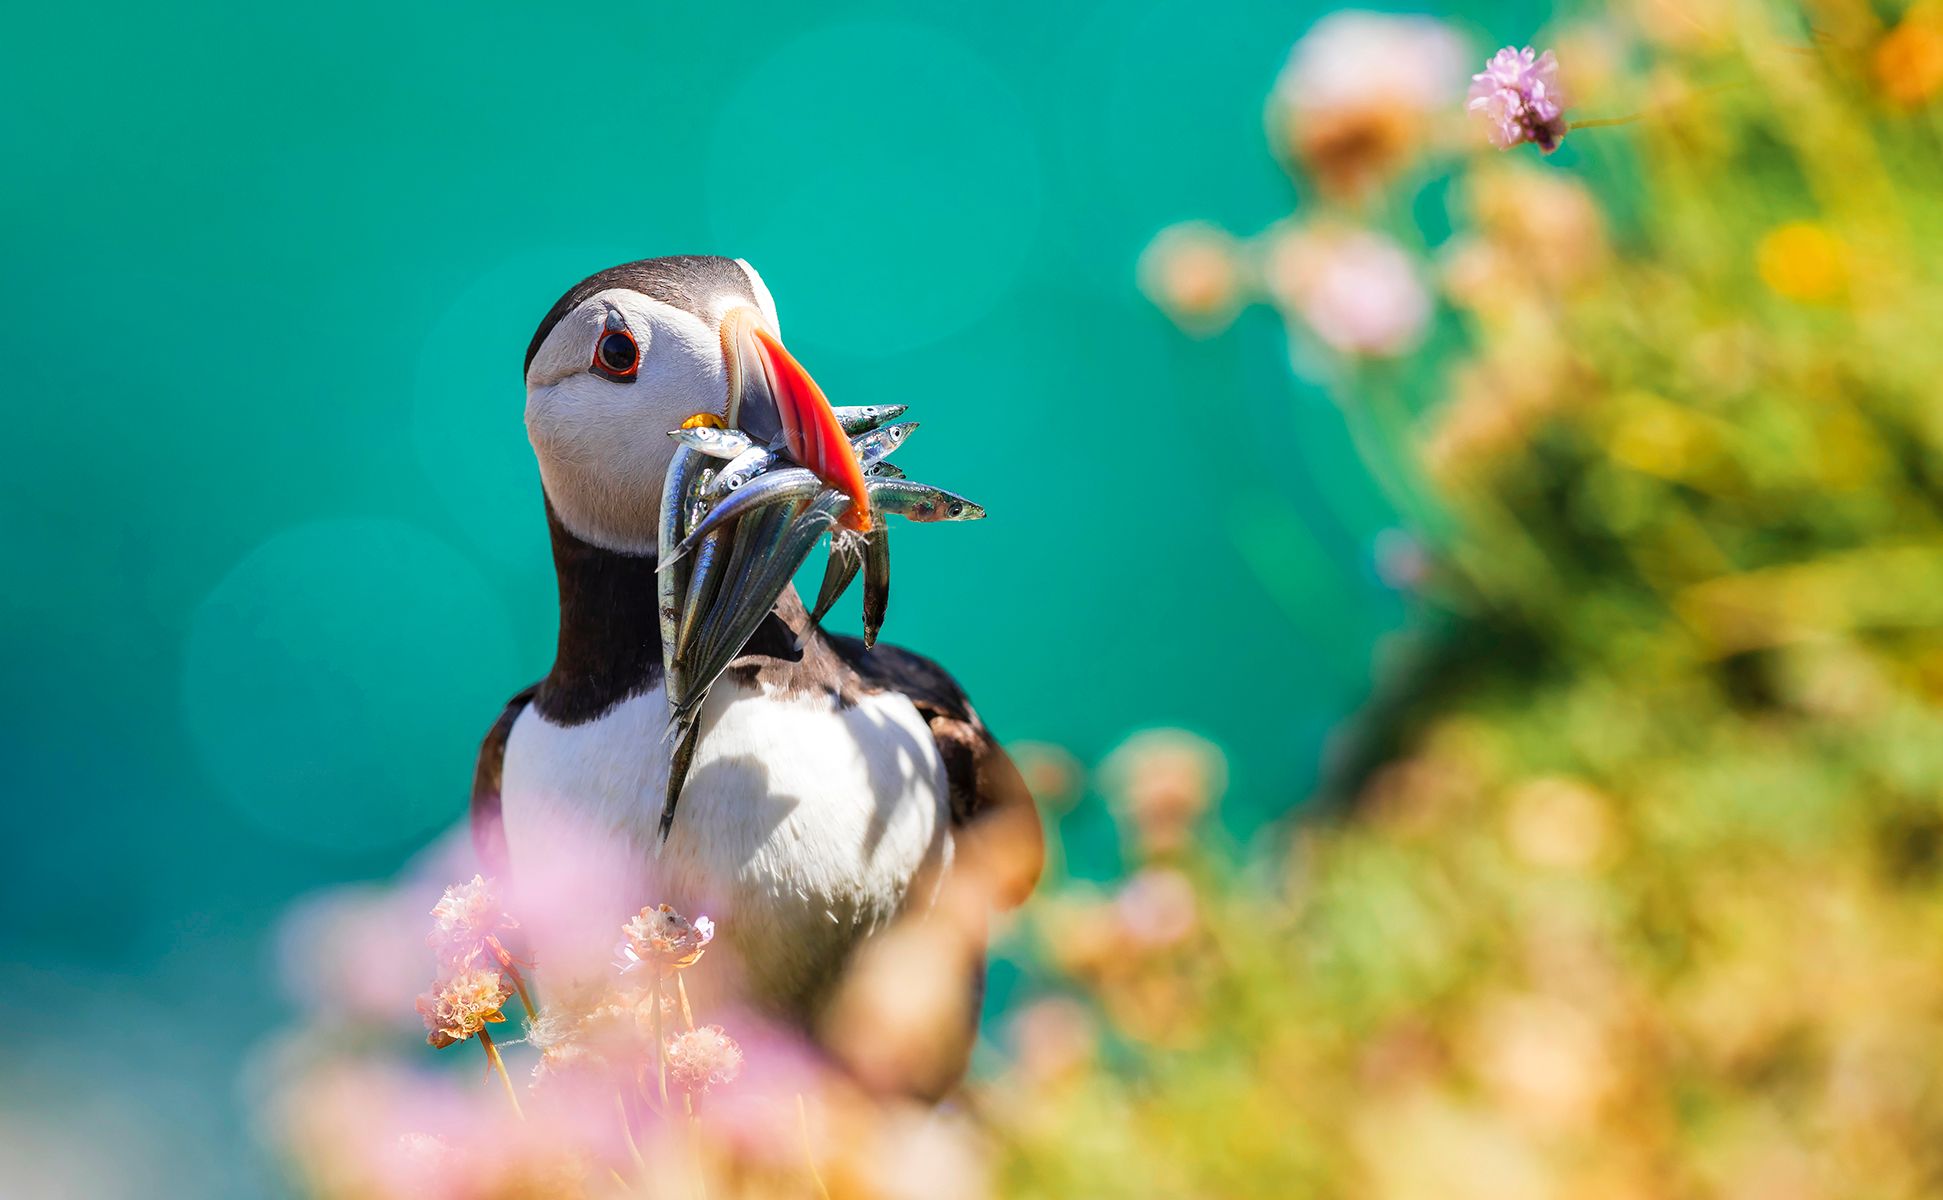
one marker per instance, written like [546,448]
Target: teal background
[274,540]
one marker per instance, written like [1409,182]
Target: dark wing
[997,823]
[488,832]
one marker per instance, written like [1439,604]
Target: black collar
[610,629]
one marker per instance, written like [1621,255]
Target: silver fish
[670,585]
[732,554]
[752,460]
[716,443]
[754,541]
[744,604]
[777,487]
[883,469]
[877,581]
[704,582]
[683,728]
[743,468]
[862,418]
[754,599]
[751,605]
[920,502]
[841,569]
[878,443]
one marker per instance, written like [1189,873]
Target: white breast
[802,827]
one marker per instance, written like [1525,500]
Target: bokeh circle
[468,420]
[338,679]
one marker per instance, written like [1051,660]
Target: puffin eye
[616,356]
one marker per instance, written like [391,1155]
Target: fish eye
[957,509]
[616,355]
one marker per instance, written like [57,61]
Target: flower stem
[627,1131]
[660,1052]
[519,985]
[506,964]
[499,1065]
[809,1150]
[695,1143]
[681,989]
[1603,122]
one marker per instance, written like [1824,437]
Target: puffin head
[634,351]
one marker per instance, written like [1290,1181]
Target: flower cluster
[1518,96]
[467,922]
[1359,98]
[1357,290]
[662,938]
[463,1004]
[704,1057]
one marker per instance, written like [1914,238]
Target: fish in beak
[774,400]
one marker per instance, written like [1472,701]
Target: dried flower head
[1518,96]
[463,1004]
[1160,782]
[466,919]
[1192,273]
[550,1029]
[699,1059]
[1355,102]
[664,938]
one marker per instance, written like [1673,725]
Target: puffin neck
[610,629]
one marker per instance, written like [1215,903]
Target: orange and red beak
[774,400]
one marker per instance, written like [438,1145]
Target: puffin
[835,790]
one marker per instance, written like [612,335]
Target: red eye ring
[616,355]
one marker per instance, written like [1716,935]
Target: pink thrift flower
[1518,96]
[1355,106]
[665,938]
[458,1007]
[1356,289]
[699,1059]
[1157,907]
[1353,60]
[467,919]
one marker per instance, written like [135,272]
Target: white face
[601,435]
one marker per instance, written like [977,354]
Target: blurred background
[1559,533]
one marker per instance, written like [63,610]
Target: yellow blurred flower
[1546,1063]
[1559,823]
[1654,436]
[1802,261]
[1908,62]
